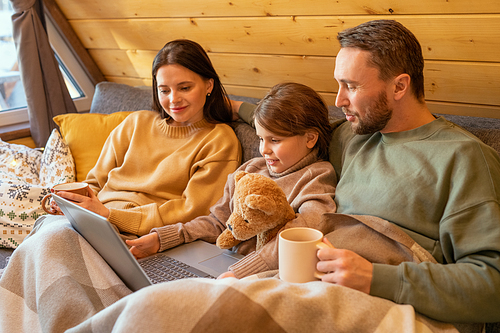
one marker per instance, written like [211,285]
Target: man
[437,182]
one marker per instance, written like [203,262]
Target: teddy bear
[260,208]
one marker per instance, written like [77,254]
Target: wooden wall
[255,44]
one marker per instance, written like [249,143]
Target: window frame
[19,116]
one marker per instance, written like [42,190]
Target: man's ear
[312,138]
[401,86]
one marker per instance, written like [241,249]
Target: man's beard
[375,118]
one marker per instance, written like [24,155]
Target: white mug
[297,250]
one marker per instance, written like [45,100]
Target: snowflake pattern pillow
[19,209]
[20,161]
[22,185]
[57,165]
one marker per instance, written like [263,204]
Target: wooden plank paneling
[266,71]
[461,82]
[257,92]
[84,9]
[135,64]
[257,70]
[446,37]
[255,44]
[472,110]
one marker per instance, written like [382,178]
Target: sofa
[113,101]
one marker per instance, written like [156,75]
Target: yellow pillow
[85,134]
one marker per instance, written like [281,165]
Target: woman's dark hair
[394,50]
[191,55]
[291,109]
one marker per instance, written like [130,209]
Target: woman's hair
[394,50]
[291,109]
[191,55]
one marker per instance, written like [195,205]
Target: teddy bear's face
[245,221]
[260,208]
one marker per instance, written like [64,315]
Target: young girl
[154,166]
[292,124]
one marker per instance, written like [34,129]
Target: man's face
[362,95]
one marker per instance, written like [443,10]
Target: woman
[169,166]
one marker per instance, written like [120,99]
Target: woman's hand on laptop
[144,246]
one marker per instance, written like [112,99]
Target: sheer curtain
[46,92]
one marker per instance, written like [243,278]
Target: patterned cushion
[22,185]
[57,165]
[20,161]
[19,209]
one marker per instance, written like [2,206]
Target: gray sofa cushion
[111,97]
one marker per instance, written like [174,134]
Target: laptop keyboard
[163,268]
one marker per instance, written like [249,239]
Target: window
[12,98]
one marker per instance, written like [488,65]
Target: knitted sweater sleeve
[246,112]
[461,291]
[206,228]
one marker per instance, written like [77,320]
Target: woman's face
[182,94]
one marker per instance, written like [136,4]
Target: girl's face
[282,152]
[182,94]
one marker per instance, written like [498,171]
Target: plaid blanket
[56,282]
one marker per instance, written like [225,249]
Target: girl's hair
[291,109]
[191,55]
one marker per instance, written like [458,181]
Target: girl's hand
[226,275]
[144,246]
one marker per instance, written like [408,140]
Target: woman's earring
[208,95]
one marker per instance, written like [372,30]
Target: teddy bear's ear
[238,175]
[261,203]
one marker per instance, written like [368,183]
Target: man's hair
[394,50]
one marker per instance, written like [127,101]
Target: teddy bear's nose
[229,227]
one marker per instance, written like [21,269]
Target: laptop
[200,258]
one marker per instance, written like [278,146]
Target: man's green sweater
[442,186]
